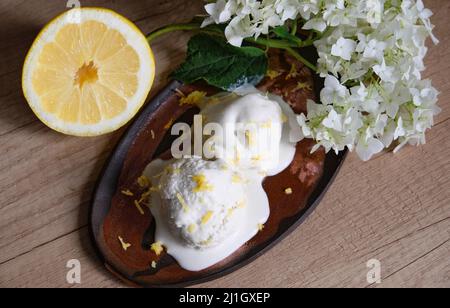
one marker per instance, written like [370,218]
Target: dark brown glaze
[124,220]
[295,82]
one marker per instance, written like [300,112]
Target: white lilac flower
[400,130]
[306,8]
[238,29]
[315,24]
[366,99]
[377,45]
[353,70]
[287,9]
[336,13]
[333,92]
[375,50]
[387,137]
[374,11]
[334,121]
[343,48]
[423,93]
[367,148]
[219,12]
[423,13]
[386,73]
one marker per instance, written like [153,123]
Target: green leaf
[283,33]
[220,64]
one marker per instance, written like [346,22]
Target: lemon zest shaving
[143,181]
[192,228]
[145,196]
[127,192]
[182,202]
[180,93]
[250,138]
[272,74]
[193,98]
[169,124]
[237,158]
[125,245]
[202,184]
[241,204]
[257,158]
[157,248]
[267,124]
[207,217]
[303,86]
[206,242]
[293,72]
[139,207]
[236,178]
[230,212]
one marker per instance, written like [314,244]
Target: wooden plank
[395,208]
[47,266]
[430,269]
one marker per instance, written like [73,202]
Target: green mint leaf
[220,64]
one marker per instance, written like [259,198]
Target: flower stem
[197,27]
[280,44]
[270,43]
[300,58]
[294,27]
[172,28]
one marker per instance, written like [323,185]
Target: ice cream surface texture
[197,203]
[206,209]
[259,131]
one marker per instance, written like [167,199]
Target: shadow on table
[16,37]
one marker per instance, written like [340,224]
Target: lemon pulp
[88,78]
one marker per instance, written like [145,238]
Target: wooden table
[395,208]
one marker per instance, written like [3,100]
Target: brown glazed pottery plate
[114,214]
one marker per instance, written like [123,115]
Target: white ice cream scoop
[203,201]
[252,128]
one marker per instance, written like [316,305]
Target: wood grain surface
[395,208]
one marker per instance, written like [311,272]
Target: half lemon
[88,72]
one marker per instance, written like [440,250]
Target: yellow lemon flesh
[88,72]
